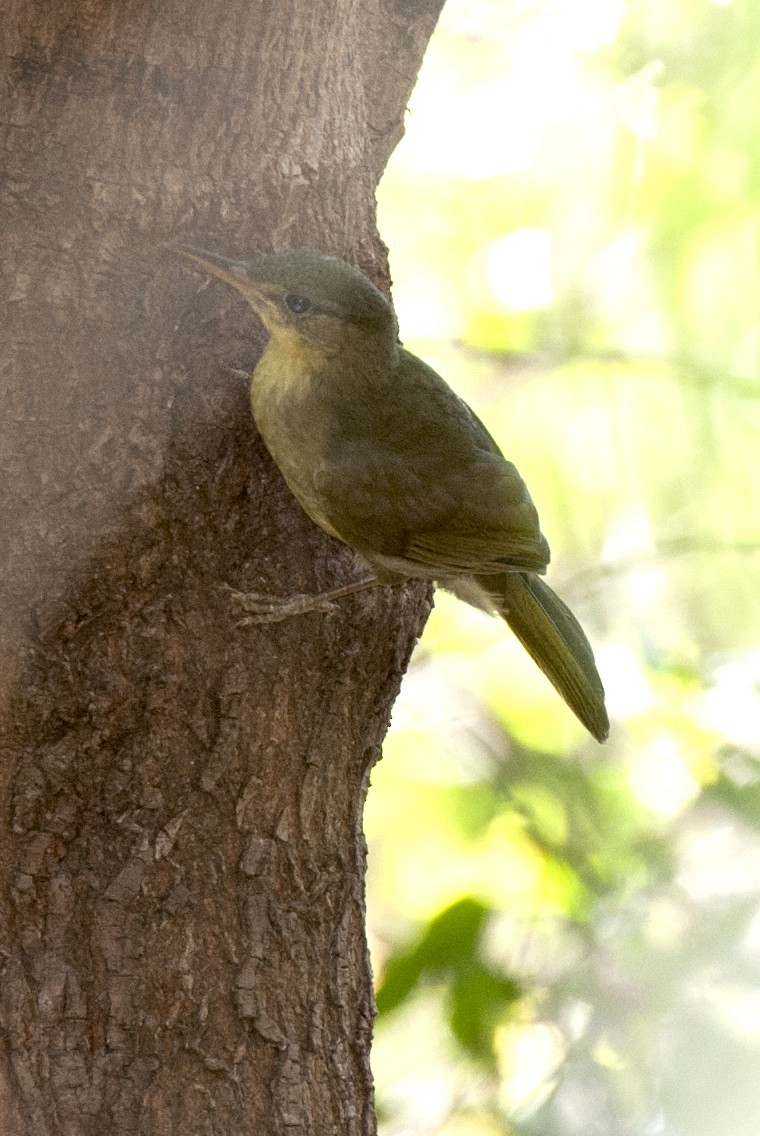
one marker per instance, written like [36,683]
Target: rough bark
[181,858]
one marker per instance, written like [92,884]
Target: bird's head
[306,295]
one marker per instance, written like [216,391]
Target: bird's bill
[233,272]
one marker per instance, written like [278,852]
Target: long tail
[555,640]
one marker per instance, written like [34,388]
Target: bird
[383,455]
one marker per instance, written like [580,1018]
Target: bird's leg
[271,609]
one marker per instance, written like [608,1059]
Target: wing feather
[415,476]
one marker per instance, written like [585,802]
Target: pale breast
[286,409]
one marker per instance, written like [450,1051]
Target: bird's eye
[297,304]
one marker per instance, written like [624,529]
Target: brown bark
[181,858]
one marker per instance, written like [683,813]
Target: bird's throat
[293,356]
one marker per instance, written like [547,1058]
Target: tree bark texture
[181,858]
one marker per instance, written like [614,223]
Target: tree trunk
[181,860]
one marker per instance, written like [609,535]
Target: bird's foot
[273,609]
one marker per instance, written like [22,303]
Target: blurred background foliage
[566,937]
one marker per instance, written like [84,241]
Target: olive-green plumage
[383,455]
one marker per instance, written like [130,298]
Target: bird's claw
[273,609]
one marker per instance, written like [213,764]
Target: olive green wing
[491,524]
[413,473]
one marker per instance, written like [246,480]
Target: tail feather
[555,640]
